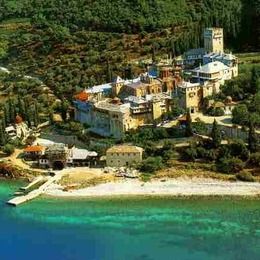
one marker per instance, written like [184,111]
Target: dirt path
[15,160]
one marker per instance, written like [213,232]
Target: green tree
[2,134]
[252,139]
[21,107]
[11,110]
[255,80]
[51,117]
[230,165]
[240,115]
[151,164]
[64,109]
[188,129]
[36,114]
[216,135]
[8,149]
[6,115]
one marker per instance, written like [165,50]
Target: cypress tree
[11,110]
[255,80]
[36,114]
[252,139]
[6,115]
[51,117]
[64,109]
[2,134]
[21,107]
[216,135]
[188,129]
[27,112]
[109,72]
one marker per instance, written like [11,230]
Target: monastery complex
[114,108]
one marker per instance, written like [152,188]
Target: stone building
[132,103]
[145,84]
[190,96]
[213,72]
[206,81]
[124,155]
[59,156]
[212,51]
[214,40]
[113,117]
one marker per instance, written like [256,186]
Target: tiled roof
[124,149]
[82,96]
[34,148]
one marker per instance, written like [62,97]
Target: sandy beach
[171,187]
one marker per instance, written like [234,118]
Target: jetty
[35,193]
[34,182]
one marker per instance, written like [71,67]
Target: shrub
[230,165]
[215,111]
[190,154]
[254,159]
[238,149]
[8,149]
[201,152]
[245,176]
[151,164]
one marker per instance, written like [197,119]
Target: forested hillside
[73,44]
[238,17]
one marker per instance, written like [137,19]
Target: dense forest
[70,45]
[238,17]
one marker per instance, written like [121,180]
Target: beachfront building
[55,156]
[33,152]
[81,157]
[124,155]
[59,156]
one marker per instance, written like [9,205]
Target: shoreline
[156,188]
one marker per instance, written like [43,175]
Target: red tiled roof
[82,96]
[34,148]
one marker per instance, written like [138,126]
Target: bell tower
[117,84]
[214,40]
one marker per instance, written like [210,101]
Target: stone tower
[214,40]
[117,84]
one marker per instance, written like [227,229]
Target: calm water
[129,229]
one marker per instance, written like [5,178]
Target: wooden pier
[35,193]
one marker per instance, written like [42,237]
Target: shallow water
[136,228]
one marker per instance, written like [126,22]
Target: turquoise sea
[136,228]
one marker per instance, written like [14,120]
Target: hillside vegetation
[70,45]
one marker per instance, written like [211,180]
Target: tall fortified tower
[214,40]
